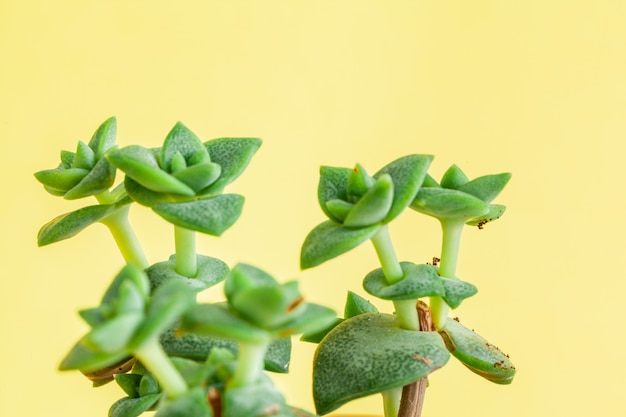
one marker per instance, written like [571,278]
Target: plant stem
[447,268]
[153,357]
[405,309]
[125,237]
[391,401]
[250,364]
[186,260]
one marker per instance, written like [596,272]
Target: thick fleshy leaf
[128,274]
[407,174]
[261,399]
[339,209]
[167,304]
[495,212]
[218,320]
[430,182]
[268,306]
[148,385]
[444,203]
[244,277]
[355,305]
[316,337]
[211,271]
[106,374]
[198,347]
[477,354]
[359,182]
[104,137]
[133,407]
[374,206]
[191,404]
[84,158]
[486,187]
[86,360]
[114,334]
[142,166]
[212,216]
[457,291]
[99,179]
[147,197]
[453,178]
[129,383]
[61,178]
[333,185]
[329,240]
[199,176]
[70,224]
[418,281]
[310,318]
[180,140]
[368,354]
[233,155]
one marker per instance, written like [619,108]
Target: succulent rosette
[183,180]
[358,204]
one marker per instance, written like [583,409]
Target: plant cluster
[177,356]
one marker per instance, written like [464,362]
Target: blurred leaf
[243,277]
[261,399]
[99,179]
[333,185]
[148,385]
[329,240]
[310,318]
[113,335]
[373,206]
[133,407]
[191,404]
[129,383]
[444,203]
[129,273]
[453,178]
[418,281]
[486,187]
[368,354]
[233,155]
[212,216]
[86,360]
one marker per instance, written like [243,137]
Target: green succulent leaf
[333,185]
[456,291]
[147,197]
[368,354]
[453,178]
[85,157]
[329,240]
[212,216]
[129,274]
[114,334]
[133,407]
[87,360]
[99,179]
[180,140]
[245,277]
[495,212]
[261,399]
[486,187]
[477,354]
[199,176]
[103,138]
[355,305]
[373,207]
[339,209]
[316,337]
[267,306]
[129,383]
[218,320]
[142,166]
[70,224]
[359,182]
[60,178]
[418,281]
[407,174]
[430,182]
[148,385]
[210,271]
[310,318]
[444,203]
[233,156]
[191,404]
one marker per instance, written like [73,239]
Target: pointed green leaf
[180,140]
[211,271]
[133,407]
[147,197]
[129,383]
[486,187]
[191,404]
[99,179]
[355,305]
[92,316]
[444,203]
[407,174]
[104,137]
[333,185]
[267,306]
[316,337]
[67,159]
[495,212]
[418,281]
[244,277]
[60,178]
[453,178]
[261,399]
[141,165]
[128,274]
[368,354]
[329,240]
[148,385]
[199,176]
[430,182]
[359,182]
[178,163]
[374,206]
[86,359]
[70,224]
[212,216]
[457,291]
[233,155]
[114,334]
[477,354]
[339,209]
[309,318]
[85,157]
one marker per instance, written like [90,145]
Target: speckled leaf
[329,240]
[61,179]
[333,185]
[193,403]
[99,179]
[407,174]
[477,354]
[453,178]
[211,271]
[495,212]
[355,305]
[368,354]
[486,187]
[199,176]
[373,207]
[444,203]
[133,407]
[233,155]
[212,216]
[418,281]
[180,140]
[457,291]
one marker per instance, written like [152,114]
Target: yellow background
[534,87]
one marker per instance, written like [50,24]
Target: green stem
[391,401]
[154,358]
[405,309]
[447,268]
[250,364]
[186,259]
[125,237]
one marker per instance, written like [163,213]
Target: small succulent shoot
[183,182]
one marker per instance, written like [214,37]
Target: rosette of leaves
[358,205]
[183,180]
[258,310]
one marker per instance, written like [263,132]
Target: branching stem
[125,237]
